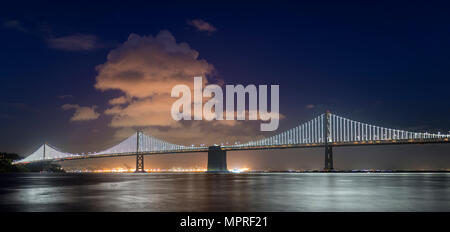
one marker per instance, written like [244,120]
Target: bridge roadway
[212,153]
[327,131]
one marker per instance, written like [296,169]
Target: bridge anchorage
[326,130]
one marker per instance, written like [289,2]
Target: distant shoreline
[283,171]
[248,172]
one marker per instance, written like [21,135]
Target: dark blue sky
[382,63]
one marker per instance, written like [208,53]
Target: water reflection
[225,192]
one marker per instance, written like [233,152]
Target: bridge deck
[268,147]
[325,127]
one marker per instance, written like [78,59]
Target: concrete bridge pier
[217,160]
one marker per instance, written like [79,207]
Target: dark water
[225,192]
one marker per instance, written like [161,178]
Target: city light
[239,170]
[132,170]
[152,170]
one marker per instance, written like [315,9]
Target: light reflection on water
[226,192]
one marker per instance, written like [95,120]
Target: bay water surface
[225,192]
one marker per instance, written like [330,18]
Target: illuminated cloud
[65,96]
[201,25]
[118,101]
[77,42]
[17,106]
[145,69]
[82,113]
[146,66]
[74,42]
[310,106]
[14,24]
[154,111]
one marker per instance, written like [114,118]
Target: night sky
[71,75]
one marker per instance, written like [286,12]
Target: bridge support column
[140,163]
[139,157]
[217,159]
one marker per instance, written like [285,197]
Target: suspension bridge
[327,130]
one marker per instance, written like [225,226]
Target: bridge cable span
[341,131]
[46,152]
[148,144]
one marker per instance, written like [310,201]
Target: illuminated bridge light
[311,133]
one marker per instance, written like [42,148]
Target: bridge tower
[43,155]
[327,141]
[139,155]
[43,158]
[217,159]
